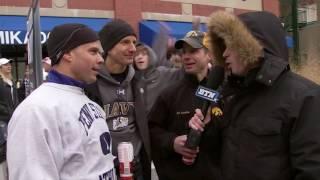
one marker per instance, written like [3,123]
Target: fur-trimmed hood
[252,34]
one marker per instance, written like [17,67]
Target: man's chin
[189,71]
[129,61]
[90,81]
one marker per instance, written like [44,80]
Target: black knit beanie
[113,32]
[66,37]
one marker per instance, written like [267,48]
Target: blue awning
[148,30]
[13,28]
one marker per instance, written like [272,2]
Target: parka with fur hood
[271,126]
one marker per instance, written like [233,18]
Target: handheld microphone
[208,93]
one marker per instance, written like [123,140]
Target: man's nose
[100,59]
[132,47]
[225,53]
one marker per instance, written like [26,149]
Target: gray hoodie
[118,103]
[157,78]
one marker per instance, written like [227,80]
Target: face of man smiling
[195,60]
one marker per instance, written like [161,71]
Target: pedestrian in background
[157,77]
[46,67]
[8,102]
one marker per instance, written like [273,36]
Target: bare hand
[189,155]
[197,122]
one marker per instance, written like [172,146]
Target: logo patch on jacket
[183,112]
[120,122]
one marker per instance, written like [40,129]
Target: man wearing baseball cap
[196,39]
[120,93]
[57,132]
[4,61]
[6,71]
[171,113]
[8,92]
[8,102]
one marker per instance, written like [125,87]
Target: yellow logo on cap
[192,34]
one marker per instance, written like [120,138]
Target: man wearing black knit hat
[57,132]
[120,93]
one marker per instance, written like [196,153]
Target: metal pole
[295,31]
[318,10]
[37,49]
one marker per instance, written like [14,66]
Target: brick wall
[131,8]
[24,3]
[15,2]
[161,6]
[91,4]
[129,11]
[203,10]
[271,6]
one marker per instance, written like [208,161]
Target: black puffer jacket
[271,128]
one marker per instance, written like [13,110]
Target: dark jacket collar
[272,67]
[270,70]
[193,80]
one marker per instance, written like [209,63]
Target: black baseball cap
[194,38]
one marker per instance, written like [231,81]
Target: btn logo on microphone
[207,94]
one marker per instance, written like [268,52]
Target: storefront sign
[18,37]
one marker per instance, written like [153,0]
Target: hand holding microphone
[189,155]
[198,121]
[208,93]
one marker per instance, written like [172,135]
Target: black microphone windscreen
[215,77]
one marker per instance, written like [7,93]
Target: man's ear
[67,56]
[209,55]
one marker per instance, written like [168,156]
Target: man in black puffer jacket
[271,127]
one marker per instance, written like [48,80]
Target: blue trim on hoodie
[56,77]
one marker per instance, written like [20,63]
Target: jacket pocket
[263,126]
[262,135]
[262,149]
